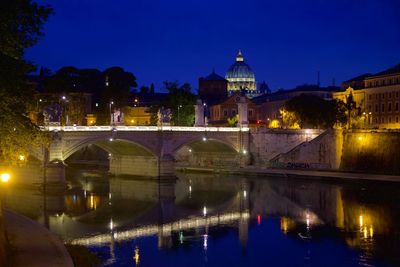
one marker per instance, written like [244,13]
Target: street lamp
[178,114]
[111,114]
[5,177]
[64,109]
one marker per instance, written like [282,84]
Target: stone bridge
[148,150]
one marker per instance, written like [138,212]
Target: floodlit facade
[378,97]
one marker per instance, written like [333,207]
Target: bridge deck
[144,128]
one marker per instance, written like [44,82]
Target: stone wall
[266,144]
[371,151]
[322,152]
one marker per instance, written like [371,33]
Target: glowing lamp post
[179,107]
[111,113]
[5,177]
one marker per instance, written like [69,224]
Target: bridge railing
[144,128]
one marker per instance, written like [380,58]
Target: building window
[376,108]
[383,96]
[396,106]
[376,96]
[376,120]
[390,107]
[225,113]
[382,120]
[397,119]
[383,108]
[233,112]
[369,108]
[370,97]
[397,94]
[250,113]
[390,95]
[390,119]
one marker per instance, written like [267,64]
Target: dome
[240,71]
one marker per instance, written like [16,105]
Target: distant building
[213,88]
[219,113]
[241,77]
[137,116]
[263,88]
[378,97]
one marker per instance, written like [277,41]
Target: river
[214,220]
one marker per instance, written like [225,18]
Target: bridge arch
[118,146]
[207,152]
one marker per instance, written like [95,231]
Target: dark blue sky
[284,41]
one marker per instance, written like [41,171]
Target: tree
[290,119]
[233,120]
[353,112]
[181,103]
[310,111]
[118,85]
[144,90]
[21,24]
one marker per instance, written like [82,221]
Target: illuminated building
[137,116]
[240,77]
[378,97]
[219,113]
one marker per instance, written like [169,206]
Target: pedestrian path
[33,245]
[316,174]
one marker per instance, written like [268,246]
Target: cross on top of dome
[239,57]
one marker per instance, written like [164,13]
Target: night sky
[284,41]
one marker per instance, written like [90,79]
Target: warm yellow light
[21,157]
[275,124]
[136,257]
[371,232]
[360,138]
[5,177]
[132,121]
[361,220]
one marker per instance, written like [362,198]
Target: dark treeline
[113,84]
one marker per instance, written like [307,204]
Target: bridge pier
[55,173]
[166,167]
[133,165]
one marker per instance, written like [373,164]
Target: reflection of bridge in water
[164,229]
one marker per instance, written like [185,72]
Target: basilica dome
[240,76]
[240,70]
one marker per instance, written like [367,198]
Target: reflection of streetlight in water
[136,256]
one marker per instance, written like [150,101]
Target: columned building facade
[378,98]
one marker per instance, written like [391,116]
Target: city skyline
[284,46]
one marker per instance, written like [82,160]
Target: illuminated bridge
[148,150]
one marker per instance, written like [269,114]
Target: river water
[215,220]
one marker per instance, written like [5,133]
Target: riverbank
[33,245]
[313,174]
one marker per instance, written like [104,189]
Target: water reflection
[101,211]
